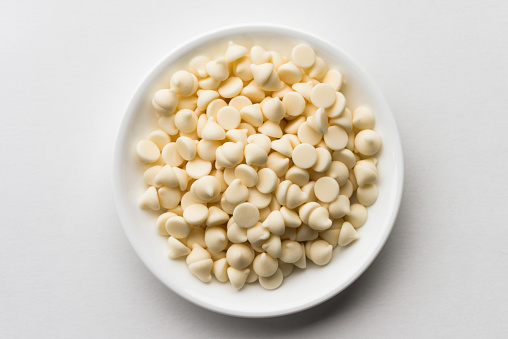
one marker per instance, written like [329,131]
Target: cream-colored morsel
[258,164]
[246,215]
[304,156]
[367,142]
[303,56]
[165,101]
[148,151]
[185,83]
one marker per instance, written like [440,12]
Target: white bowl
[304,288]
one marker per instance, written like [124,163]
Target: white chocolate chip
[236,234]
[247,175]
[258,199]
[304,156]
[236,193]
[148,151]
[324,160]
[294,102]
[252,114]
[286,268]
[177,227]
[230,87]
[340,207]
[255,155]
[165,101]
[253,92]
[228,118]
[326,189]
[238,277]
[334,79]
[205,96]
[307,134]
[320,252]
[291,251]
[206,149]
[297,176]
[273,109]
[212,131]
[289,73]
[196,236]
[265,265]
[291,218]
[283,146]
[257,235]
[358,215]
[216,217]
[261,73]
[197,168]
[240,102]
[338,107]
[150,199]
[368,142]
[213,108]
[169,197]
[195,214]
[216,238]
[160,138]
[295,196]
[209,83]
[273,246]
[186,120]
[176,248]
[322,95]
[305,233]
[167,124]
[363,118]
[367,194]
[239,256]
[303,56]
[364,174]
[206,188]
[271,129]
[319,219]
[235,52]
[274,223]
[305,211]
[345,156]
[267,180]
[161,222]
[237,135]
[319,121]
[304,89]
[186,147]
[344,120]
[347,234]
[219,269]
[278,163]
[246,215]
[184,83]
[319,69]
[302,262]
[259,55]
[218,69]
[198,66]
[167,177]
[229,154]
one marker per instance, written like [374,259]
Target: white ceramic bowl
[304,288]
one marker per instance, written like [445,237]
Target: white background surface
[67,71]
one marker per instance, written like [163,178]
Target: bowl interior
[303,288]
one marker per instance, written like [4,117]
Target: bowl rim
[129,114]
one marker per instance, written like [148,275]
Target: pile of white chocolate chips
[258,165]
